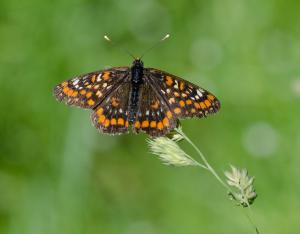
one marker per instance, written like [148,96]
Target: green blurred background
[58,175]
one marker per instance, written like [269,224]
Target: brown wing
[88,90]
[111,115]
[154,116]
[185,99]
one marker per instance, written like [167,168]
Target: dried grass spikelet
[244,192]
[169,152]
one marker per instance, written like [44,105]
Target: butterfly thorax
[137,69]
[136,80]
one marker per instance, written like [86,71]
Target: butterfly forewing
[154,116]
[111,115]
[88,90]
[185,99]
[147,99]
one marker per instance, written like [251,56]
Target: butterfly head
[138,63]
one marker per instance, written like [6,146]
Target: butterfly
[145,99]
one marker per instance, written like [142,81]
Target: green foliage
[58,175]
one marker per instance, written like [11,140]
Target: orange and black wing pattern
[88,90]
[111,115]
[154,115]
[184,99]
[146,99]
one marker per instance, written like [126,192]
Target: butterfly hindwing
[147,99]
[111,115]
[185,99]
[154,116]
[87,91]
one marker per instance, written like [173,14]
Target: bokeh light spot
[260,139]
[295,87]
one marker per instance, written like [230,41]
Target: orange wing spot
[181,86]
[207,103]
[89,94]
[120,121]
[82,92]
[90,102]
[193,110]
[137,124]
[113,121]
[155,105]
[181,103]
[188,102]
[75,93]
[106,75]
[176,94]
[114,102]
[99,111]
[169,114]
[160,125]
[202,105]
[93,78]
[66,90]
[106,123]
[145,124]
[210,97]
[126,124]
[166,121]
[64,84]
[196,104]
[153,124]
[70,92]
[177,110]
[169,80]
[101,119]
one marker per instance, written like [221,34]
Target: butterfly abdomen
[136,81]
[146,99]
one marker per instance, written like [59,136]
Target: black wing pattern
[154,116]
[111,115]
[185,99]
[88,90]
[163,99]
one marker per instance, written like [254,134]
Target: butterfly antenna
[120,48]
[156,44]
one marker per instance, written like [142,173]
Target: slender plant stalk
[208,167]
